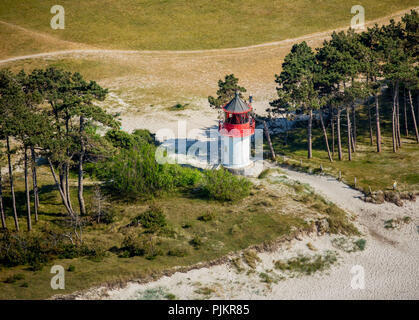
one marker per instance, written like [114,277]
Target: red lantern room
[236,116]
[236,129]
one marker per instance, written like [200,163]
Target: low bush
[71,268]
[170,296]
[207,217]
[143,245]
[360,243]
[251,258]
[144,136]
[153,219]
[178,252]
[307,264]
[196,242]
[123,140]
[224,186]
[134,173]
[36,250]
[264,173]
[21,249]
[184,176]
[14,278]
[107,216]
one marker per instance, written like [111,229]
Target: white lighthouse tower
[236,131]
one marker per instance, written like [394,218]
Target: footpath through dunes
[390,260]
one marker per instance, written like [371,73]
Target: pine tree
[297,79]
[226,91]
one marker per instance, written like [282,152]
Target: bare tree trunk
[377,123]
[406,127]
[393,120]
[354,128]
[35,184]
[393,130]
[28,196]
[333,135]
[12,187]
[310,143]
[81,159]
[339,135]
[399,139]
[415,126]
[417,106]
[353,142]
[60,189]
[3,217]
[348,121]
[325,137]
[268,137]
[67,185]
[370,125]
[61,170]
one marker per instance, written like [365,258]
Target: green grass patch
[182,24]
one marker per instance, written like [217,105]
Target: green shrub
[143,135]
[307,264]
[69,251]
[360,243]
[123,140]
[135,172]
[153,219]
[36,250]
[170,296]
[71,268]
[224,186]
[266,278]
[140,246]
[108,216]
[20,249]
[178,107]
[9,280]
[196,242]
[264,173]
[14,278]
[178,252]
[251,258]
[184,176]
[95,252]
[131,247]
[120,139]
[206,217]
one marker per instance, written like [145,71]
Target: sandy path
[390,261]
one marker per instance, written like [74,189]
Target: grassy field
[182,24]
[274,210]
[371,169]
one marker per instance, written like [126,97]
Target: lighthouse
[236,131]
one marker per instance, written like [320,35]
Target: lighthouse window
[237,118]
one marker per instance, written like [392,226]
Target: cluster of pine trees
[48,114]
[349,69]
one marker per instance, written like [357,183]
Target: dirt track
[287,42]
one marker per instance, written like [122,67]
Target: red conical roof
[237,105]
